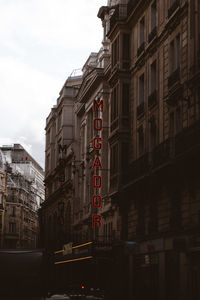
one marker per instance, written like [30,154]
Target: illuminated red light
[82,287]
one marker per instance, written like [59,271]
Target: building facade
[3,195]
[154,138]
[21,219]
[24,194]
[147,72]
[57,211]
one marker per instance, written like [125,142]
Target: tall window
[178,119]
[153,133]
[125,156]
[141,90]
[59,119]
[48,137]
[115,51]
[141,140]
[48,162]
[12,211]
[174,57]
[90,125]
[114,159]
[114,104]
[153,77]
[171,124]
[153,16]
[141,31]
[12,227]
[126,50]
[125,99]
[175,124]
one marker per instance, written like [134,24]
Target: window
[90,124]
[115,51]
[59,119]
[141,90]
[175,124]
[48,162]
[125,99]
[125,156]
[48,137]
[114,159]
[12,211]
[1,199]
[153,133]
[126,48]
[153,77]
[141,31]
[114,104]
[153,16]
[178,120]
[171,124]
[12,227]
[141,140]
[174,56]
[82,139]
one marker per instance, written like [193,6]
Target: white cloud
[42,41]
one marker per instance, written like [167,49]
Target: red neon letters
[97,179]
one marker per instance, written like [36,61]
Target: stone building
[154,142]
[94,87]
[21,161]
[70,155]
[57,211]
[148,73]
[3,195]
[24,193]
[21,219]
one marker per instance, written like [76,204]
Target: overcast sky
[42,42]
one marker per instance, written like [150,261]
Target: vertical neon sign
[98,105]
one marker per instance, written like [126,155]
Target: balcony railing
[152,99]
[131,5]
[140,49]
[187,139]
[137,169]
[174,77]
[173,7]
[152,34]
[140,109]
[163,153]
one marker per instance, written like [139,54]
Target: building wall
[3,194]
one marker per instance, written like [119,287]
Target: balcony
[140,49]
[140,109]
[174,77]
[187,139]
[152,34]
[114,125]
[12,235]
[137,169]
[163,153]
[152,99]
[131,5]
[173,7]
